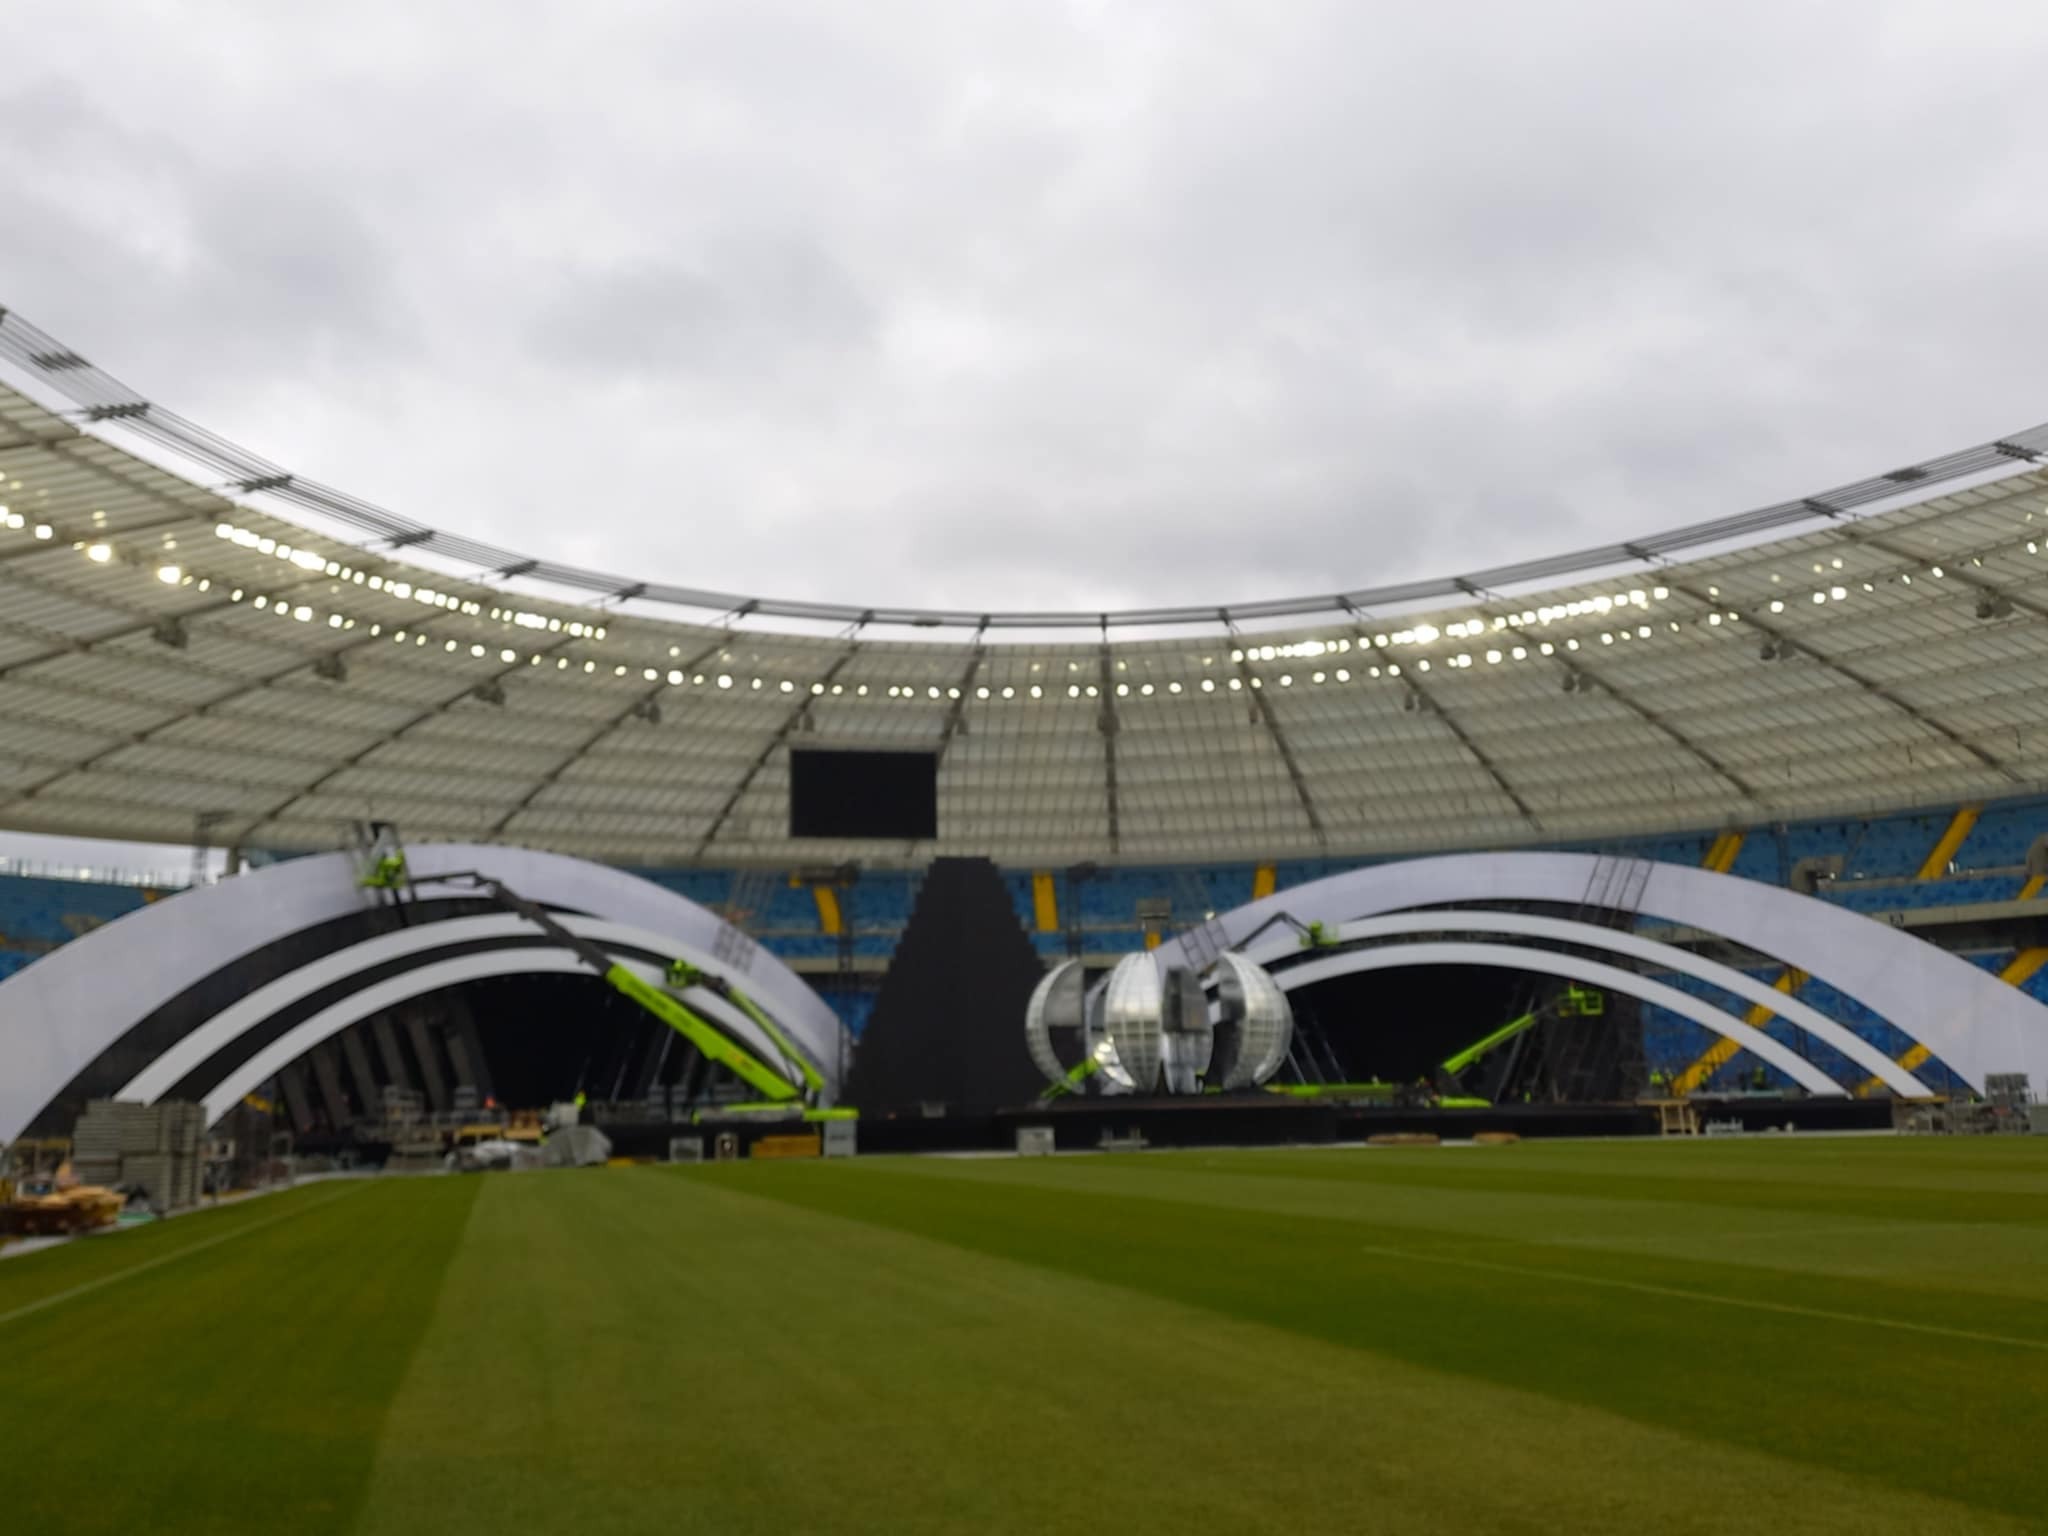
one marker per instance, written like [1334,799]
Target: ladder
[747,898]
[1614,889]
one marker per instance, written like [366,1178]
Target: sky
[978,304]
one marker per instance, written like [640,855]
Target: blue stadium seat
[1880,856]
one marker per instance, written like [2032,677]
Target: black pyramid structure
[948,1025]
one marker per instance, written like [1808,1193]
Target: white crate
[1034,1141]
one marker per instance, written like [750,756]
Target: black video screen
[863,794]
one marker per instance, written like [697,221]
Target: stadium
[1457,997]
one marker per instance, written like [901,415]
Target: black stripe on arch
[210,1073]
[177,1016]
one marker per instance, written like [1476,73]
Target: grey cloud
[149,230]
[756,310]
[1001,304]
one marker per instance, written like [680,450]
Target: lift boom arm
[713,1042]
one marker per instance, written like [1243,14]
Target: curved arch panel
[1510,957]
[391,991]
[1065,978]
[1131,1014]
[1621,942]
[62,1013]
[1267,1023]
[251,1013]
[1971,1020]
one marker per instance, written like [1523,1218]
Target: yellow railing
[1045,905]
[1723,1050]
[1943,853]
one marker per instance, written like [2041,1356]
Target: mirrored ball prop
[1147,1030]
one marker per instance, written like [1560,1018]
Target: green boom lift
[800,1077]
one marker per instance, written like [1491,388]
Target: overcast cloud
[982,304]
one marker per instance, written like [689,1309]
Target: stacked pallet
[156,1148]
[96,1148]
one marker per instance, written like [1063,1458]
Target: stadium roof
[184,642]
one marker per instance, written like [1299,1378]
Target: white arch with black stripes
[1513,957]
[1971,1020]
[418,949]
[1618,941]
[66,1012]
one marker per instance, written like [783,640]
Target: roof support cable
[1262,713]
[1431,705]
[1577,672]
[956,717]
[433,711]
[639,708]
[782,733]
[1778,642]
[305,663]
[1107,724]
[142,626]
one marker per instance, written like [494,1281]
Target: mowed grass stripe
[1945,1416]
[183,1250]
[2006,1262]
[1886,1178]
[29,1277]
[1696,1297]
[241,1388]
[645,1352]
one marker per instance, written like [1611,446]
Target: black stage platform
[1259,1119]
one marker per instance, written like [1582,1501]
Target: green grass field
[1835,1335]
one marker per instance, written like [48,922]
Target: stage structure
[1151,1030]
[1602,919]
[211,993]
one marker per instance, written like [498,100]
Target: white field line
[169,1258]
[1710,1298]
